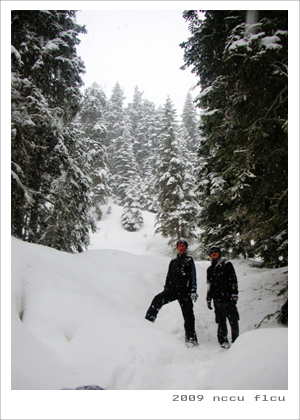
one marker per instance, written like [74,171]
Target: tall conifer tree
[176,213]
[132,217]
[50,186]
[135,111]
[242,69]
[125,165]
[115,120]
[91,118]
[191,122]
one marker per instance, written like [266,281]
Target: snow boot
[225,345]
[150,318]
[191,343]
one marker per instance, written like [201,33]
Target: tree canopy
[241,62]
[50,183]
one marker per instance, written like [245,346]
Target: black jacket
[181,275]
[221,280]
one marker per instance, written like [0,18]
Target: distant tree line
[224,174]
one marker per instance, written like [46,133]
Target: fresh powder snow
[78,320]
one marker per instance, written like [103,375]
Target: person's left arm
[194,278]
[231,275]
[194,295]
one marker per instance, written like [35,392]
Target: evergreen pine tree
[125,165]
[135,112]
[242,71]
[67,221]
[191,122]
[91,117]
[132,218]
[46,81]
[176,214]
[150,124]
[114,120]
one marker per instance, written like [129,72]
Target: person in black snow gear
[181,285]
[222,287]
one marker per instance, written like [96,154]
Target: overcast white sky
[137,42]
[137,48]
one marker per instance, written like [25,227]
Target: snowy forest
[215,172]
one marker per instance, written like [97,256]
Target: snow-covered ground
[83,324]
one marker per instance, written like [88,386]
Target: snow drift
[257,360]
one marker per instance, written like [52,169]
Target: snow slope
[83,320]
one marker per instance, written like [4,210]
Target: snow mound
[84,314]
[257,360]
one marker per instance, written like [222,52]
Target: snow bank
[83,323]
[257,360]
[86,313]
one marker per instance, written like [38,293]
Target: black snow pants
[186,305]
[224,310]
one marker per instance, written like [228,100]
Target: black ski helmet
[214,248]
[182,241]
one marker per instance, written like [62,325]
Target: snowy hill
[83,320]
[85,313]
[111,234]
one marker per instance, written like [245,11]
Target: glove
[209,304]
[194,296]
[234,298]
